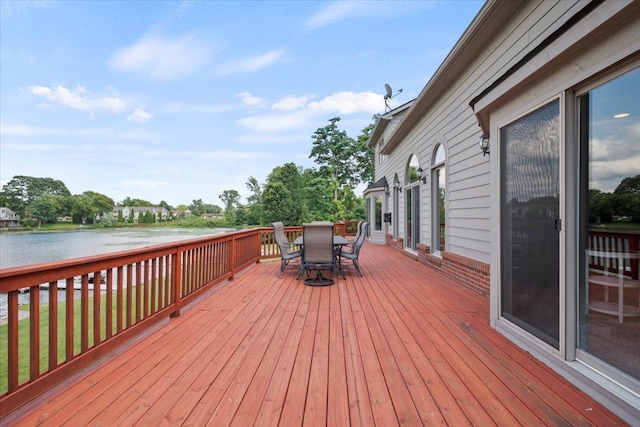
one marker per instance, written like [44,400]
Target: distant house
[179,213]
[211,215]
[492,177]
[8,218]
[159,212]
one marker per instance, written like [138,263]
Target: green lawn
[23,335]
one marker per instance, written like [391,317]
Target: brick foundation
[468,272]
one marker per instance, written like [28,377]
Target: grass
[618,226]
[24,331]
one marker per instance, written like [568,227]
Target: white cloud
[350,102]
[252,64]
[78,98]
[15,146]
[163,58]
[291,103]
[248,99]
[23,130]
[276,122]
[230,155]
[285,117]
[331,13]
[140,116]
[383,10]
[262,138]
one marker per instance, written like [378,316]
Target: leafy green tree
[334,151]
[132,216]
[600,206]
[148,218]
[279,204]
[120,216]
[43,209]
[82,209]
[627,198]
[211,208]
[128,201]
[353,207]
[196,207]
[22,190]
[290,177]
[319,205]
[230,198]
[365,156]
[165,205]
[253,212]
[100,205]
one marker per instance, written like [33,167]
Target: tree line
[622,204]
[291,194]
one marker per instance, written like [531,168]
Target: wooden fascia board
[378,130]
[490,19]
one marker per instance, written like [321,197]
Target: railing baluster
[84,313]
[13,342]
[177,285]
[96,308]
[139,287]
[147,293]
[119,297]
[154,285]
[34,335]
[109,304]
[69,327]
[53,325]
[129,295]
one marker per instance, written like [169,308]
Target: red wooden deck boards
[401,345]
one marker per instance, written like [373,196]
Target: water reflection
[17,249]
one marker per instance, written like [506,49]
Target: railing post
[176,265]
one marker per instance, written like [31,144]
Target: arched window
[412,203]
[439,198]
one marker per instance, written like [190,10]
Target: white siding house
[8,218]
[158,212]
[554,89]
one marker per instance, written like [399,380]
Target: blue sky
[178,101]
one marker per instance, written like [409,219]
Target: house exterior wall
[8,218]
[514,57]
[159,212]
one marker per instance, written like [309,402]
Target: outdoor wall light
[386,190]
[397,185]
[484,144]
[420,176]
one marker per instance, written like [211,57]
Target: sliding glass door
[530,222]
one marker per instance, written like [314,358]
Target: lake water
[18,249]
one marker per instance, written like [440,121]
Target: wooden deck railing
[120,295]
[617,242]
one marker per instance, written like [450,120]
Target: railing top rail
[28,275]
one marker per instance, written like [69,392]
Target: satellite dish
[388,96]
[389,91]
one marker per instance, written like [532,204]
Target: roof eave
[489,20]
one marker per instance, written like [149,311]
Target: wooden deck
[401,345]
